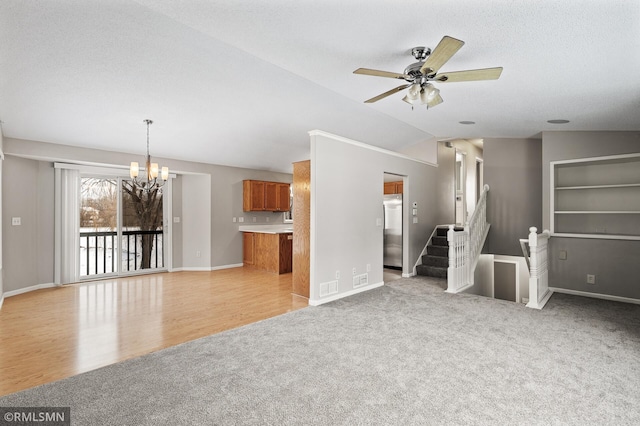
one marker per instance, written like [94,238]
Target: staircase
[453,253]
[436,261]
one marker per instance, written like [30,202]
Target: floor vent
[360,280]
[330,287]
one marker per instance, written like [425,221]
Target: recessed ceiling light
[467,122]
[558,121]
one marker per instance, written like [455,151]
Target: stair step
[430,260]
[438,250]
[439,241]
[441,231]
[432,271]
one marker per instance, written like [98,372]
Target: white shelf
[626,185]
[597,212]
[596,197]
[597,236]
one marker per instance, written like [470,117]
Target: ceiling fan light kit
[420,74]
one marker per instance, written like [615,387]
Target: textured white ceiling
[241,82]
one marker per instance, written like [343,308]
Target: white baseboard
[28,289]
[539,305]
[1,301]
[316,302]
[192,269]
[413,274]
[460,290]
[206,269]
[596,295]
[234,265]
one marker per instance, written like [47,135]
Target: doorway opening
[460,188]
[393,229]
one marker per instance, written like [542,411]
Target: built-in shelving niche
[596,197]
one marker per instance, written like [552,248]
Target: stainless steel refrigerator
[392,231]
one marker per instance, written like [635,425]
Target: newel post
[451,279]
[533,263]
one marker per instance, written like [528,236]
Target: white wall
[426,151]
[347,213]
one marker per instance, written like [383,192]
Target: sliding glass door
[142,227]
[121,228]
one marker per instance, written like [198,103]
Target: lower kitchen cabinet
[268,252]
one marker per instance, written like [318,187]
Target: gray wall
[176,196]
[346,203]
[446,190]
[28,190]
[614,262]
[28,248]
[513,172]
[1,216]
[446,181]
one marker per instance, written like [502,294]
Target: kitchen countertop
[267,229]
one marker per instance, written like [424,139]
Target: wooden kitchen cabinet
[284,197]
[248,248]
[265,196]
[393,187]
[268,252]
[253,195]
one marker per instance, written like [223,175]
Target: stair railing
[538,260]
[465,247]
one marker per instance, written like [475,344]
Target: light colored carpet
[406,353]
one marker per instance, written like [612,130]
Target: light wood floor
[50,334]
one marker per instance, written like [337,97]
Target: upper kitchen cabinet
[265,196]
[393,187]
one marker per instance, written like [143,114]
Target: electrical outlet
[368,267]
[234,220]
[337,275]
[241,219]
[176,219]
[563,255]
[197,253]
[591,279]
[354,271]
[16,221]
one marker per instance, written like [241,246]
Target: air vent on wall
[330,287]
[360,280]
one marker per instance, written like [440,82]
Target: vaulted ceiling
[242,82]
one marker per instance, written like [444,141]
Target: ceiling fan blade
[436,101]
[447,47]
[378,73]
[469,75]
[388,93]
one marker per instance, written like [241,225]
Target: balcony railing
[98,251]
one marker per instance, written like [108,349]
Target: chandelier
[151,181]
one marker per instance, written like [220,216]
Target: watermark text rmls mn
[42,416]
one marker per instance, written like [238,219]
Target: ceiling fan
[420,74]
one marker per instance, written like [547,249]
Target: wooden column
[301,227]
